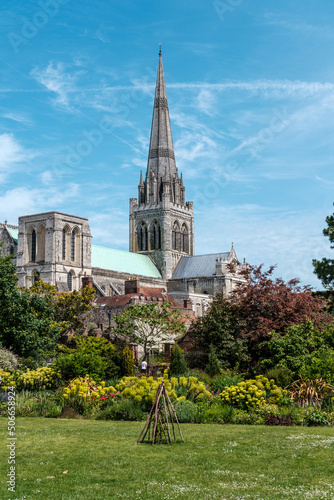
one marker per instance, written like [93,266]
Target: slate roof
[198,265]
[123,262]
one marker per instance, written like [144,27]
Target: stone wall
[7,245]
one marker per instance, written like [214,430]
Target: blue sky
[251,96]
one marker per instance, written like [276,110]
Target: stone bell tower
[161,221]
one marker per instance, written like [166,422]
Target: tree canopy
[27,324]
[149,324]
[239,326]
[324,268]
[32,320]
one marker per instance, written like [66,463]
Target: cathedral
[57,247]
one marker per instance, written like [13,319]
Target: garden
[65,459]
[253,395]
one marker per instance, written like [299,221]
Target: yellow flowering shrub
[145,389]
[86,388]
[41,378]
[8,379]
[32,380]
[253,393]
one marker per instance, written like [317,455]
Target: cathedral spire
[161,159]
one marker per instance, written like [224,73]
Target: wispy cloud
[290,239]
[205,102]
[11,152]
[24,201]
[18,117]
[55,79]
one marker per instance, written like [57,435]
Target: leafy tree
[220,327]
[264,304]
[148,324]
[70,308]
[93,356]
[240,326]
[177,365]
[324,268]
[304,349]
[27,324]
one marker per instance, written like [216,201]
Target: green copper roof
[13,232]
[123,262]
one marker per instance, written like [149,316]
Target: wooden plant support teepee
[160,421]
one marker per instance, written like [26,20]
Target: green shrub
[226,379]
[178,365]
[127,362]
[320,365]
[122,410]
[196,360]
[214,366]
[219,414]
[186,411]
[8,360]
[78,364]
[247,418]
[315,417]
[94,356]
[281,374]
[201,376]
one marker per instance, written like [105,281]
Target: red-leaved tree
[264,304]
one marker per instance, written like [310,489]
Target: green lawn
[215,462]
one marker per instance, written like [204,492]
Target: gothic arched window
[176,243]
[69,281]
[184,239]
[33,246]
[142,236]
[64,244]
[66,251]
[36,277]
[40,243]
[73,246]
[155,236]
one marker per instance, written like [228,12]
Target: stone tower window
[73,246]
[66,251]
[40,243]
[176,240]
[155,236]
[142,235]
[64,244]
[184,239]
[33,246]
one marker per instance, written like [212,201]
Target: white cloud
[205,102]
[262,234]
[11,152]
[18,117]
[24,201]
[277,88]
[110,229]
[56,80]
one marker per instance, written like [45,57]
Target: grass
[215,462]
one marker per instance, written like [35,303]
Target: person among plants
[143,366]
